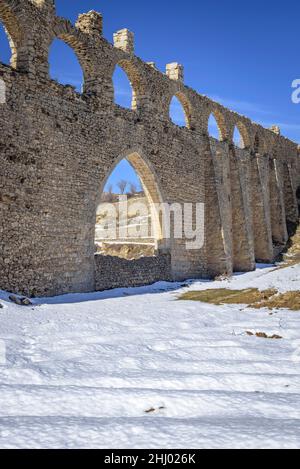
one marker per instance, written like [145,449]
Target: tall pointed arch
[124,94]
[240,136]
[135,86]
[238,139]
[213,128]
[5,47]
[64,65]
[150,188]
[14,33]
[216,126]
[180,110]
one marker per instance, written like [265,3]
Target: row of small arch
[180,102]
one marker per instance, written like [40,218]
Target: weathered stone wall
[58,147]
[114,272]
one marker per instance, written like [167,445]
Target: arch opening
[179,111]
[12,37]
[216,125]
[241,138]
[64,65]
[214,128]
[128,223]
[124,93]
[238,138]
[6,46]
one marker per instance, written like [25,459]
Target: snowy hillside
[138,368]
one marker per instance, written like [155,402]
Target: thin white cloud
[262,115]
[283,126]
[243,107]
[287,126]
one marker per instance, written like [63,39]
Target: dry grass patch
[221,296]
[289,300]
[252,297]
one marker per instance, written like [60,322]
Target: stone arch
[186,107]
[119,74]
[135,80]
[69,57]
[14,32]
[5,46]
[221,123]
[242,130]
[73,44]
[65,32]
[151,187]
[213,126]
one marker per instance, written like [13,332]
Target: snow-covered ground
[81,370]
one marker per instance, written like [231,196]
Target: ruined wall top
[32,25]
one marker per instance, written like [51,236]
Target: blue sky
[244,55]
[123,171]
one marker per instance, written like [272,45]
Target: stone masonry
[58,147]
[114,272]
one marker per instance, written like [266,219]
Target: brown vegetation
[252,297]
[289,300]
[222,296]
[263,335]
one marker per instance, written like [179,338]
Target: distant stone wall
[113,272]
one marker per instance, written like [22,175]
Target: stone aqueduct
[58,146]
